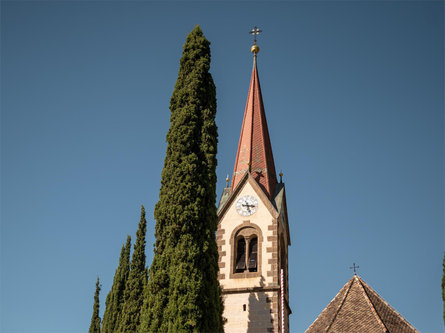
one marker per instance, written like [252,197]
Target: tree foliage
[183,294]
[115,298]
[129,317]
[95,319]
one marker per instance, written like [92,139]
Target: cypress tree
[129,318]
[183,294]
[115,298]
[95,319]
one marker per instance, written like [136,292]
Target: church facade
[253,231]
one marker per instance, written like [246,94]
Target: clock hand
[248,206]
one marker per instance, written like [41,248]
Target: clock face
[246,205]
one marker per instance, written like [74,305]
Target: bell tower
[253,230]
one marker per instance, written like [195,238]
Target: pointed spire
[254,153]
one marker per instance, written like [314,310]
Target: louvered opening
[253,254]
[240,255]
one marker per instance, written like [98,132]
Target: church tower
[253,231]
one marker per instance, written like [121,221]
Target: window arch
[246,242]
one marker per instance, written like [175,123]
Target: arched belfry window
[240,255]
[246,251]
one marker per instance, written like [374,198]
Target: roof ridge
[341,304]
[379,319]
[399,316]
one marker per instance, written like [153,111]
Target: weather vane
[354,268]
[255,31]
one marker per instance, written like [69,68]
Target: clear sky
[354,96]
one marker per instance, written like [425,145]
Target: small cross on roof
[354,268]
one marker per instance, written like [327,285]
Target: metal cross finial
[354,268]
[255,31]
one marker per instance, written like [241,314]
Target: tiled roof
[359,309]
[254,148]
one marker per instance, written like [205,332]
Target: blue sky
[354,96]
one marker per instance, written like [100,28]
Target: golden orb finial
[227,181]
[255,49]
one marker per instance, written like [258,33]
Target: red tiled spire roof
[254,149]
[358,308]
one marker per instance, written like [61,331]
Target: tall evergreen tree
[129,317]
[115,298]
[183,294]
[95,319]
